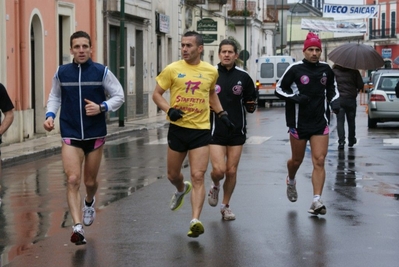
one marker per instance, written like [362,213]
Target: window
[281,67]
[382,25]
[267,70]
[393,23]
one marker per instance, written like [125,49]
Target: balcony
[382,34]
[220,2]
[195,2]
[212,5]
[239,13]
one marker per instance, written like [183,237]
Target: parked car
[377,73]
[383,105]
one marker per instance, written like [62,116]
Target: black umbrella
[356,56]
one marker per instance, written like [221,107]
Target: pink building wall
[19,16]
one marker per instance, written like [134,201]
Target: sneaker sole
[182,197]
[88,224]
[78,239]
[320,211]
[196,230]
[228,219]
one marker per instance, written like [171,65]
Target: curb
[34,154]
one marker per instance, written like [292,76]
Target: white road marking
[391,142]
[256,140]
[162,141]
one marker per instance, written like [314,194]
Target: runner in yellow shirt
[191,83]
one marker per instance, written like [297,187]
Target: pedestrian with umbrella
[348,59]
[356,56]
[349,83]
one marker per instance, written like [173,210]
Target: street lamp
[281,24]
[245,35]
[292,11]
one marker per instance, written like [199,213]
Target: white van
[269,69]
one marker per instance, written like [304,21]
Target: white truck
[269,69]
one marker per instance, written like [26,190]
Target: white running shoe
[317,208]
[227,214]
[89,213]
[292,194]
[78,233]
[213,195]
[178,199]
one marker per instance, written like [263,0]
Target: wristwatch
[103,107]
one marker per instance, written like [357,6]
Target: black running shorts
[182,139]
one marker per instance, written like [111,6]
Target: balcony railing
[195,2]
[382,34]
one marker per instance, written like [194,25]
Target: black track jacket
[234,87]
[306,86]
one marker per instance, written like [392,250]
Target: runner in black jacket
[308,87]
[236,91]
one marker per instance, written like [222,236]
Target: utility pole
[245,36]
[281,24]
[122,61]
[275,27]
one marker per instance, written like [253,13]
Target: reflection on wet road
[34,203]
[34,196]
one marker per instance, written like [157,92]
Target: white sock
[316,198]
[222,206]
[181,193]
[291,181]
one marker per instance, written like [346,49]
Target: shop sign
[207,25]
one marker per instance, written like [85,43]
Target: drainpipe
[24,59]
[122,61]
[17,52]
[93,30]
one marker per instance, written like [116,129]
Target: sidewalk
[33,148]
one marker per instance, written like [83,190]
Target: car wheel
[371,123]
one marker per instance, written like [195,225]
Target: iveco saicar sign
[353,11]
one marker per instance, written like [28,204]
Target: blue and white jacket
[72,84]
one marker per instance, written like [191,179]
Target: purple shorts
[301,134]
[86,145]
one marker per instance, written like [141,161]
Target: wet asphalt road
[134,226]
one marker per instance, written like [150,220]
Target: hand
[175,114]
[92,108]
[225,119]
[49,124]
[250,106]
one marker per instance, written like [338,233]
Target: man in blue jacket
[7,108]
[80,89]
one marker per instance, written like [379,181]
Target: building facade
[34,41]
[383,31]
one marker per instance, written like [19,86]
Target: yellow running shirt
[189,87]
